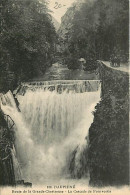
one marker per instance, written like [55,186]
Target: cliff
[66,20]
[55,23]
[108,152]
[95,29]
[7,176]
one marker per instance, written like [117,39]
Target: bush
[90,65]
[72,62]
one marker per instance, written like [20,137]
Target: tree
[28,37]
[100,28]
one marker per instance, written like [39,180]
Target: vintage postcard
[64,97]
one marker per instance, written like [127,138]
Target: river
[60,72]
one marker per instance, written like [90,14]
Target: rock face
[55,23]
[66,20]
[7,176]
[108,153]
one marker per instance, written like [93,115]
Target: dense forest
[95,29]
[27,39]
[99,28]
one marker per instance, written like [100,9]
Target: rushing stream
[51,124]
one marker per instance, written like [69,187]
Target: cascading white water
[49,128]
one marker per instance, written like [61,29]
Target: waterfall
[78,86]
[50,126]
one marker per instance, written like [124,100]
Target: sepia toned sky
[59,7]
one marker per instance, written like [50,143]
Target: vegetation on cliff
[98,30]
[27,38]
[7,176]
[108,152]
[106,155]
[109,145]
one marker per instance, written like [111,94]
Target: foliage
[91,63]
[6,145]
[72,62]
[27,38]
[108,152]
[100,28]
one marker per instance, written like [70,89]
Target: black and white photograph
[64,97]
